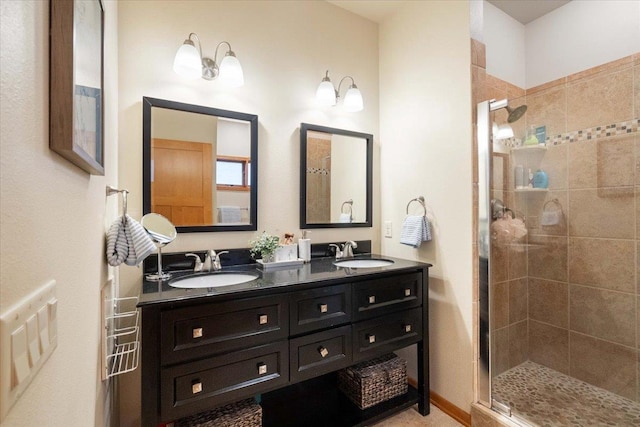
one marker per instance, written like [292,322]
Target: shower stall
[559,258]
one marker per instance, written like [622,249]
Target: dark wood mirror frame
[252,119]
[304,128]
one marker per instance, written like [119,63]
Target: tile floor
[412,418]
[547,398]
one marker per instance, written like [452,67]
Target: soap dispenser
[304,247]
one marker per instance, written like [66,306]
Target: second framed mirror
[336,177]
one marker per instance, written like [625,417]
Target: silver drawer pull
[407,292]
[263,319]
[323,308]
[323,351]
[407,328]
[196,387]
[371,338]
[197,332]
[262,368]
[372,299]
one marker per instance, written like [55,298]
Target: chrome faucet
[217,265]
[348,247]
[198,266]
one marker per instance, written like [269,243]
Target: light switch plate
[388,229]
[25,343]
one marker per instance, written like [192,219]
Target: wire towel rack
[420,200]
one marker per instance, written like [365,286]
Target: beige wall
[284,48]
[425,149]
[53,221]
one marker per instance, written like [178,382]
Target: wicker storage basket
[374,381]
[245,413]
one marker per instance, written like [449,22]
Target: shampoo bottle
[540,179]
[519,177]
[304,247]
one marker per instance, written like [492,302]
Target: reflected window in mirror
[200,166]
[335,177]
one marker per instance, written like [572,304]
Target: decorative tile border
[615,129]
[318,171]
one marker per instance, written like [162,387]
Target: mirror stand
[159,276]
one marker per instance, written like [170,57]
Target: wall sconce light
[328,96]
[190,63]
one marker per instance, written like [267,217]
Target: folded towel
[344,217]
[128,242]
[230,214]
[415,230]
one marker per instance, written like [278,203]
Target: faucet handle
[198,265]
[338,250]
[217,265]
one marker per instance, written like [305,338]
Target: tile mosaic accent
[548,398]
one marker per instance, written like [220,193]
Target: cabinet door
[317,354]
[384,334]
[206,329]
[320,308]
[382,296]
[198,386]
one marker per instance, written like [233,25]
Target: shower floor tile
[545,397]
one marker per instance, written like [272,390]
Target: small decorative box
[245,413]
[374,381]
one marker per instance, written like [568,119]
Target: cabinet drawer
[387,333]
[198,386]
[383,296]
[192,332]
[320,308]
[317,354]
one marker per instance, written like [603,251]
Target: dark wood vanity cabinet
[201,353]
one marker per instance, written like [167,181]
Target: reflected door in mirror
[181,189]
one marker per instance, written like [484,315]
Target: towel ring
[554,201]
[111,191]
[348,202]
[420,200]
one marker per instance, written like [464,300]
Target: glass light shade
[187,62]
[353,100]
[231,74]
[326,94]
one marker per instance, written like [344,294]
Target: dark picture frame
[76,107]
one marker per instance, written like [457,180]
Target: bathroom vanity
[281,338]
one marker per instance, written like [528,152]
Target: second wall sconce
[328,96]
[190,63]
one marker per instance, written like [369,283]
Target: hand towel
[128,242]
[344,217]
[415,230]
[230,214]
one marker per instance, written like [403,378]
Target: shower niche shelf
[530,148]
[531,190]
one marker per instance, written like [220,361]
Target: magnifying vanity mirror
[336,170]
[200,166]
[162,232]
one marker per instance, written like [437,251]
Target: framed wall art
[76,109]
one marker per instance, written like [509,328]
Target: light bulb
[231,73]
[187,62]
[326,94]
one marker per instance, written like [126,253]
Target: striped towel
[128,242]
[415,230]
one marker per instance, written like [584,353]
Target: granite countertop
[319,269]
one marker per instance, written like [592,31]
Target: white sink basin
[363,263]
[212,280]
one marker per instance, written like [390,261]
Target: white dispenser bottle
[304,247]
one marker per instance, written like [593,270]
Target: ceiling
[523,11]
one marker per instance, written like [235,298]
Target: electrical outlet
[388,229]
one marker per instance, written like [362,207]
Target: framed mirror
[200,166]
[336,177]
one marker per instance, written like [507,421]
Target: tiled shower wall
[318,180]
[570,299]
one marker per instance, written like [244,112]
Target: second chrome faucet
[211,261]
[346,250]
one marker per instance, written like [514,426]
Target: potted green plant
[264,247]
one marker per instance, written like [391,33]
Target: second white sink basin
[363,263]
[212,280]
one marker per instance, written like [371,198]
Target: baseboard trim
[445,406]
